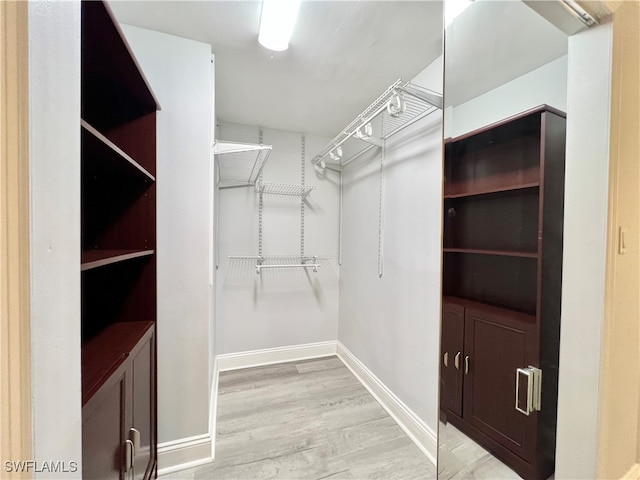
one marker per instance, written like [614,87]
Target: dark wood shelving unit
[502,281]
[118,189]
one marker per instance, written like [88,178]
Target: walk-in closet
[373,248]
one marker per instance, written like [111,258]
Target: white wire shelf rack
[284,189]
[239,164]
[281,262]
[399,106]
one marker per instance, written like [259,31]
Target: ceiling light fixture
[576,10]
[277,22]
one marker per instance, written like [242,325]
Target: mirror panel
[504,129]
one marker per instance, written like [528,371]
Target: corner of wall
[419,432]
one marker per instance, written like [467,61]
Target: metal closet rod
[293,265]
[381,104]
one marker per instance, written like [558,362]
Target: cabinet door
[143,397]
[452,347]
[496,346]
[104,423]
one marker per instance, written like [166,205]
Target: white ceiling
[493,42]
[342,55]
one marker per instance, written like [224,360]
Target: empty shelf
[495,310]
[401,105]
[487,191]
[105,352]
[99,258]
[284,189]
[239,164]
[97,147]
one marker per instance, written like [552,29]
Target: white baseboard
[184,453]
[213,408]
[633,473]
[268,356]
[418,431]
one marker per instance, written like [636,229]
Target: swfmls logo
[33,466]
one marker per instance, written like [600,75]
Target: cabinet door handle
[446,359]
[533,394]
[466,365]
[129,454]
[134,436]
[456,361]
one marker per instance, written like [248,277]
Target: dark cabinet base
[485,345]
[124,402]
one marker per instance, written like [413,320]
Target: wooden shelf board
[99,141]
[492,309]
[502,253]
[508,188]
[105,352]
[99,258]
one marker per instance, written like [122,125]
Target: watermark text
[34,466]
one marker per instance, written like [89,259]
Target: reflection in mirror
[504,128]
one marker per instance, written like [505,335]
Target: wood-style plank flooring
[460,458]
[306,420]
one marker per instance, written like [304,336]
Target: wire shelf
[399,106]
[281,262]
[284,189]
[239,164]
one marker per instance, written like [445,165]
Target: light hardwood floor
[306,420]
[460,458]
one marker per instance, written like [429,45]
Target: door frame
[15,338]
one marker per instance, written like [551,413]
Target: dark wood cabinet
[103,429]
[143,397]
[502,279]
[498,345]
[118,230]
[118,424]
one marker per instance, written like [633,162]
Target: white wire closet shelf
[401,105]
[281,261]
[284,189]
[239,164]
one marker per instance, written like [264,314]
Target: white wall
[180,74]
[392,324]
[54,144]
[544,85]
[585,234]
[280,307]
